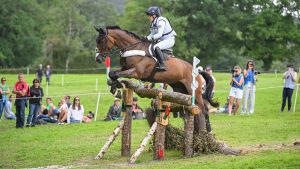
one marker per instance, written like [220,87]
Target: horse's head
[104,44]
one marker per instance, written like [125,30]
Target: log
[126,132]
[110,140]
[174,97]
[143,144]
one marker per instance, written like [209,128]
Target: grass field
[76,145]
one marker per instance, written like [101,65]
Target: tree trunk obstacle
[165,136]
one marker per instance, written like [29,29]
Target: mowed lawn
[76,145]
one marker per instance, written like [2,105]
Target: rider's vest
[167,29]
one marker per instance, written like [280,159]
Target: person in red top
[20,89]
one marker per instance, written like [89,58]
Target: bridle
[106,52]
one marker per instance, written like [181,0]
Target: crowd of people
[242,93]
[31,97]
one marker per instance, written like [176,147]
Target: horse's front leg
[114,75]
[129,73]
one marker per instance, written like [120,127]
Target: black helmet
[153,10]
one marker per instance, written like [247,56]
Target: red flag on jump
[107,62]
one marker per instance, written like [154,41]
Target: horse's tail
[209,88]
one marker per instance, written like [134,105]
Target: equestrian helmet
[153,10]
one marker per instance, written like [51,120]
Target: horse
[137,62]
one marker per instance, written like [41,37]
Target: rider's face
[151,18]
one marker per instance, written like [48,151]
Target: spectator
[289,77]
[76,111]
[137,111]
[88,118]
[67,98]
[39,73]
[236,91]
[223,109]
[35,99]
[249,89]
[208,70]
[63,112]
[48,73]
[50,109]
[20,89]
[114,111]
[4,91]
[8,114]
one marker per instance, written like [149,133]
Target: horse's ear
[100,30]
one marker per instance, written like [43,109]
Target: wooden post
[188,135]
[159,138]
[143,144]
[126,132]
[110,140]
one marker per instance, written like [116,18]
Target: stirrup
[161,67]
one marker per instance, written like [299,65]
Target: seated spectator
[49,108]
[88,118]
[76,111]
[67,98]
[148,85]
[222,109]
[8,114]
[114,111]
[63,112]
[137,111]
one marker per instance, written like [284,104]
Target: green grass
[77,145]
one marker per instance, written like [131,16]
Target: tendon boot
[160,58]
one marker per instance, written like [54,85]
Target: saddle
[166,52]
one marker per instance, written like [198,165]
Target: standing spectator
[39,73]
[114,111]
[4,91]
[289,77]
[48,73]
[249,89]
[137,111]
[76,111]
[208,70]
[20,89]
[236,91]
[8,114]
[35,99]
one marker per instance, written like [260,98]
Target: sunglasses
[77,99]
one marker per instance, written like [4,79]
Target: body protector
[161,29]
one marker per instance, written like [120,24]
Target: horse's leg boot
[159,56]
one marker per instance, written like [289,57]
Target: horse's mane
[128,32]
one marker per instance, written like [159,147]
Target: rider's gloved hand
[145,39]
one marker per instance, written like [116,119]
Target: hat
[200,68]
[3,79]
[91,113]
[237,67]
[116,99]
[135,99]
[291,65]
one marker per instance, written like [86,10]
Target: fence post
[27,71]
[275,71]
[126,132]
[47,88]
[62,80]
[96,84]
[98,100]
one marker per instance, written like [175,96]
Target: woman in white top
[76,111]
[289,77]
[63,111]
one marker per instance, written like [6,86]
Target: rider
[162,31]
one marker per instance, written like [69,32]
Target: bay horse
[136,62]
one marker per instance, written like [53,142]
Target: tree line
[221,33]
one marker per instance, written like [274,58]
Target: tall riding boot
[160,58]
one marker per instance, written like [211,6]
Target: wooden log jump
[176,102]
